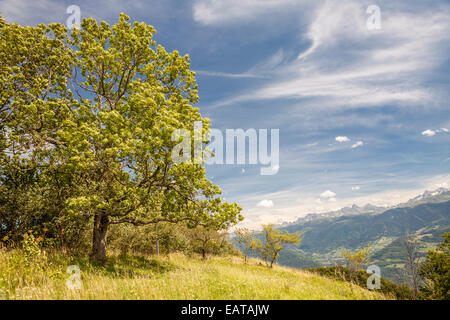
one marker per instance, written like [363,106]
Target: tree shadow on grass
[127,266]
[131,265]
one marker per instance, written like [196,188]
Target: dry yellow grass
[174,277]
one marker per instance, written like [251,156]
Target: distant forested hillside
[326,238]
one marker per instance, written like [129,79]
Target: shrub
[360,277]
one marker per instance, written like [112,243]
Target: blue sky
[314,70]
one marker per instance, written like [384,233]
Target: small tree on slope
[275,241]
[247,241]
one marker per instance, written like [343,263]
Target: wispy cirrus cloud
[214,12]
[227,75]
[26,12]
[348,65]
[33,12]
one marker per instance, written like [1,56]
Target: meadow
[173,276]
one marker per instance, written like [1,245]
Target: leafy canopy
[359,258]
[436,271]
[247,241]
[275,241]
[91,116]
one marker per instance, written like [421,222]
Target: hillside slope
[326,238]
[352,232]
[175,277]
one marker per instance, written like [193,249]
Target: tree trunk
[62,235]
[204,254]
[101,223]
[274,257]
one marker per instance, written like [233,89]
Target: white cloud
[342,139]
[356,188]
[357,144]
[265,204]
[429,133]
[221,12]
[328,194]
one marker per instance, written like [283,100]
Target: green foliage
[26,267]
[207,241]
[358,258]
[142,240]
[292,256]
[34,256]
[275,241]
[86,123]
[359,277]
[436,272]
[172,238]
[247,241]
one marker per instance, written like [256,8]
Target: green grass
[170,277]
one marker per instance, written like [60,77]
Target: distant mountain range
[346,211]
[438,195]
[425,217]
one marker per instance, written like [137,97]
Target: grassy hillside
[171,277]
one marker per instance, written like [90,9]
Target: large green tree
[95,112]
[35,66]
